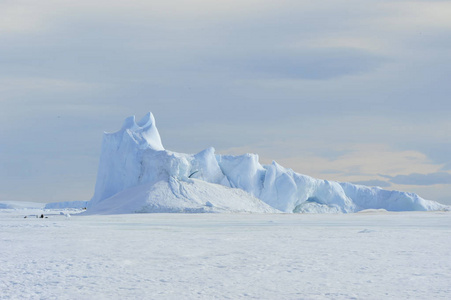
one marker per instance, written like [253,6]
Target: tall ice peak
[144,132]
[136,172]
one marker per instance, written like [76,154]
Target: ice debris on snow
[136,174]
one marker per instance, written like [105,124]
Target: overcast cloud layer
[343,90]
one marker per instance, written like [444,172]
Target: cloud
[313,64]
[16,18]
[331,171]
[374,182]
[421,179]
[418,14]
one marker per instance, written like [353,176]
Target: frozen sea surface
[373,255]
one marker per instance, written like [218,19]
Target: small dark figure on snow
[42,216]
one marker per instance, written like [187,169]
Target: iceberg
[136,174]
[66,204]
[17,205]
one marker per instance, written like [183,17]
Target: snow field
[375,255]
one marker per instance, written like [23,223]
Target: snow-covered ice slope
[177,196]
[136,174]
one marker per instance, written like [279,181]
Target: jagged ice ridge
[136,174]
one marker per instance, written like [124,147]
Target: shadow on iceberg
[137,175]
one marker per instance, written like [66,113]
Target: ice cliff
[136,174]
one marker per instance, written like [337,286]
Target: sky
[354,91]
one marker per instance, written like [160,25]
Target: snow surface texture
[136,174]
[372,255]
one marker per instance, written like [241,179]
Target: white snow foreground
[136,174]
[373,255]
